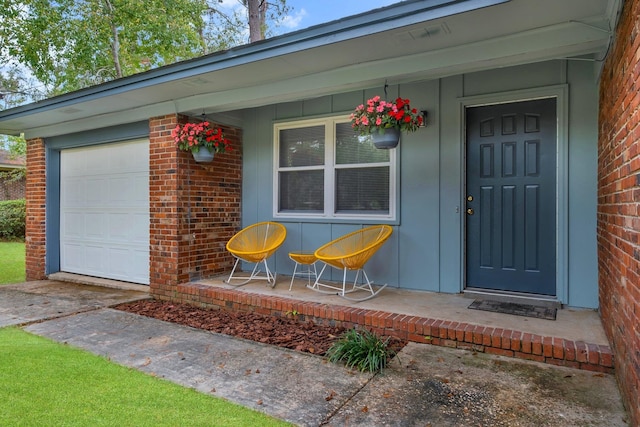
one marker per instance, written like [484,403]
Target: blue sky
[307,13]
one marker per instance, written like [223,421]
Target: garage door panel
[121,192]
[119,260]
[75,194]
[128,228]
[75,165]
[73,225]
[94,225]
[104,213]
[125,159]
[95,191]
[120,226]
[140,222]
[95,163]
[140,267]
[129,191]
[141,188]
[127,264]
[94,258]
[74,254]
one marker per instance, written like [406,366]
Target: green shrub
[363,350]
[12,219]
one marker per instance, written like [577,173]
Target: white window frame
[329,168]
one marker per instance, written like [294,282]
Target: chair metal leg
[368,287]
[293,276]
[307,273]
[271,277]
[342,291]
[319,287]
[255,275]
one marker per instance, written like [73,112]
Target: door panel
[511,197]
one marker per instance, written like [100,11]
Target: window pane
[351,148]
[362,190]
[302,191]
[302,146]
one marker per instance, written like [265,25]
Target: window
[325,170]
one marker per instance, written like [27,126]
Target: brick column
[194,209]
[35,241]
[619,204]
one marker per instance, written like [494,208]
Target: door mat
[515,308]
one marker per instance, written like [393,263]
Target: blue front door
[511,197]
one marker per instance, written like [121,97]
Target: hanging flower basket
[202,139]
[384,121]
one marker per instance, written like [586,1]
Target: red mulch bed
[288,332]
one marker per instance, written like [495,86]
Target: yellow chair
[351,252]
[255,244]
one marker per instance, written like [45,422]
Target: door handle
[469,211]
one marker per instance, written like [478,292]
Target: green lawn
[12,262]
[45,383]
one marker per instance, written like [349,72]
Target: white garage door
[104,211]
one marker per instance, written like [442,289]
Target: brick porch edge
[504,342]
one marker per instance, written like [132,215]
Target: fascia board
[553,42]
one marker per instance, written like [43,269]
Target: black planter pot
[389,138]
[203,155]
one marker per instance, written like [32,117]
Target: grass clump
[362,350]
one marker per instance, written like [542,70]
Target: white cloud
[293,21]
[230,4]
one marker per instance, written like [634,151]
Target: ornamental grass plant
[361,349]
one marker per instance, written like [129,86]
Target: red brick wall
[11,189]
[194,208]
[35,210]
[618,203]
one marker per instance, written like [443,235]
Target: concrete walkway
[425,385]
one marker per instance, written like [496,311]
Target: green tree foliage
[11,82]
[71,44]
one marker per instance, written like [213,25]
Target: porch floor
[576,338]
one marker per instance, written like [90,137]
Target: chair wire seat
[351,252]
[255,244]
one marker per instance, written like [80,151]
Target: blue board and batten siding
[426,249]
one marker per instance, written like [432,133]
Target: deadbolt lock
[469,211]
[469,198]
